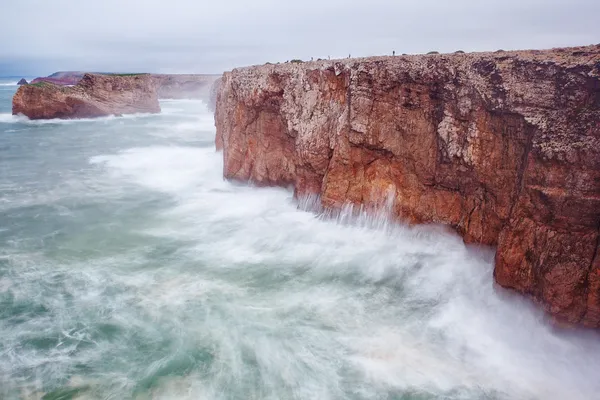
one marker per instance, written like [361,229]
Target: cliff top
[563,56]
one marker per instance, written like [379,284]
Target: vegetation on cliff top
[130,74]
[39,84]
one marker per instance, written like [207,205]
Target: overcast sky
[42,36]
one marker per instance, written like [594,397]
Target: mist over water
[129,269]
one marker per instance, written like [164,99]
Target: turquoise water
[129,269]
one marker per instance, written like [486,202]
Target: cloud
[203,36]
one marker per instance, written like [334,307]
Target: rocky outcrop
[93,96]
[504,147]
[23,81]
[183,86]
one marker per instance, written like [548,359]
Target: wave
[8,118]
[406,308]
[8,84]
[168,108]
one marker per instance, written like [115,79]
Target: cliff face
[504,147]
[93,96]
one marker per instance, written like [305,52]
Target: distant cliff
[168,86]
[504,147]
[74,94]
[183,86]
[93,96]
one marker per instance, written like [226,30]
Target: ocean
[130,269]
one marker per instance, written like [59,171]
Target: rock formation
[23,81]
[504,147]
[93,96]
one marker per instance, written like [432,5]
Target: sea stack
[93,96]
[504,147]
[23,81]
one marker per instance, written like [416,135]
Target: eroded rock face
[93,96]
[504,147]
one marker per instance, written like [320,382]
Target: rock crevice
[504,147]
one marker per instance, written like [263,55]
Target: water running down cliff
[130,269]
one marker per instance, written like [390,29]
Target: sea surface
[129,269]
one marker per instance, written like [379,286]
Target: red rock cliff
[504,147]
[93,96]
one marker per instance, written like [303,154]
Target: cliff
[93,96]
[168,86]
[504,147]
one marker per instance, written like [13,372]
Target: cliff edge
[504,147]
[93,96]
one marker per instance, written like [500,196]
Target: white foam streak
[486,338]
[168,108]
[8,118]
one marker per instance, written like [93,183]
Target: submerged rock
[94,96]
[504,147]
